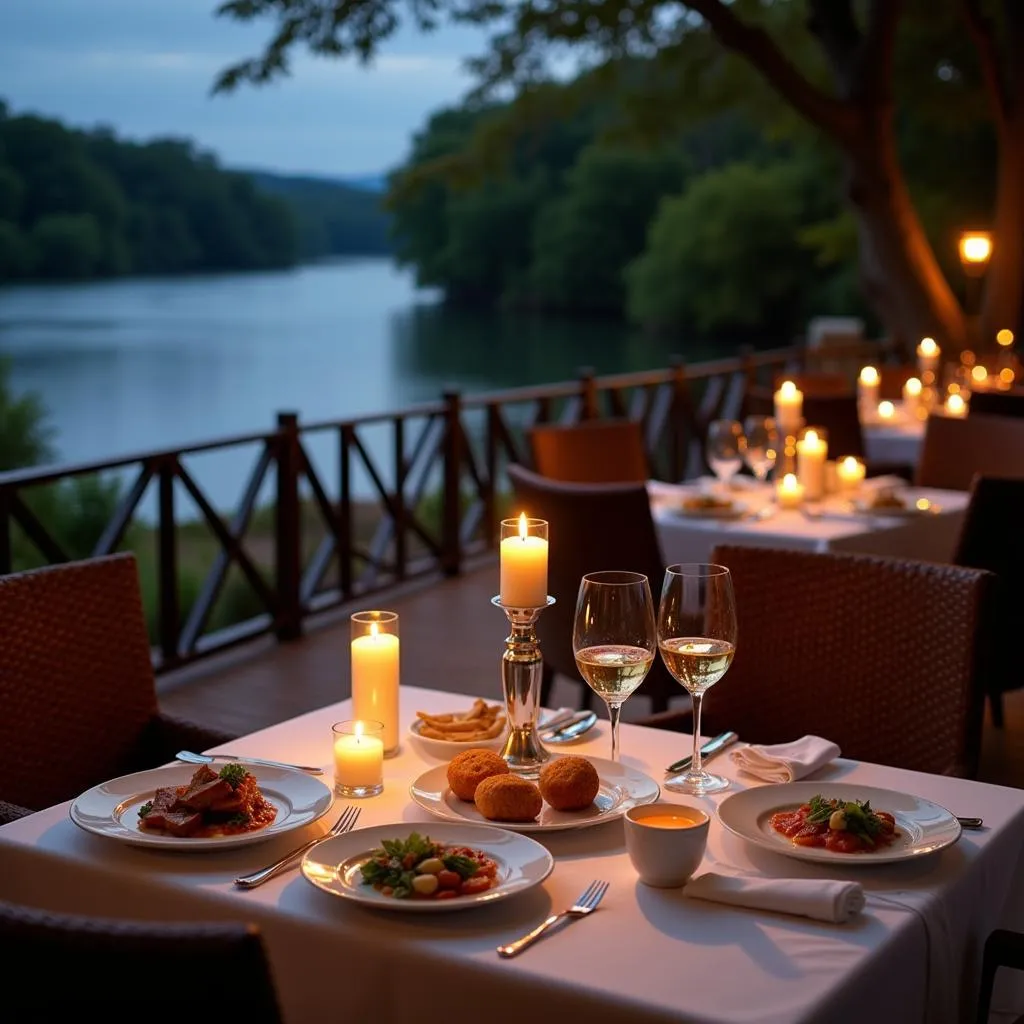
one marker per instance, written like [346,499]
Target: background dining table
[647,955]
[829,525]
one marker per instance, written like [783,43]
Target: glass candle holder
[524,563]
[376,672]
[358,747]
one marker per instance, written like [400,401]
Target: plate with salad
[427,868]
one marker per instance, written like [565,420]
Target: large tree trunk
[899,272]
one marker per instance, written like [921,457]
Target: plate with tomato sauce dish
[427,867]
[799,819]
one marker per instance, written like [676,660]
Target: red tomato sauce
[793,825]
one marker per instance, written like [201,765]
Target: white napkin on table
[786,762]
[821,899]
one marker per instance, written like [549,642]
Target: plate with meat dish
[182,807]
[839,822]
[427,868]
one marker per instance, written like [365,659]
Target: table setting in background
[612,875]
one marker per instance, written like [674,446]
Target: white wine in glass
[697,640]
[614,638]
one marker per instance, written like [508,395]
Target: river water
[133,365]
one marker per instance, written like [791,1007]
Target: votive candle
[955,406]
[789,492]
[358,757]
[886,412]
[850,472]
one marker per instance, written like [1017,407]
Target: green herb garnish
[145,808]
[393,863]
[462,866]
[857,814]
[233,775]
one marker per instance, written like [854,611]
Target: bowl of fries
[444,735]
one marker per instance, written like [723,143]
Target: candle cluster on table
[524,562]
[811,454]
[376,672]
[358,757]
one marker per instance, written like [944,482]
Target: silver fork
[586,904]
[344,824]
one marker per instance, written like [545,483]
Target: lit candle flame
[1004,337]
[886,410]
[374,630]
[979,373]
[927,348]
[955,405]
[789,482]
[522,526]
[788,389]
[850,463]
[923,504]
[913,386]
[811,437]
[358,730]
[869,375]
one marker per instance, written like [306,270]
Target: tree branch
[757,46]
[874,58]
[982,33]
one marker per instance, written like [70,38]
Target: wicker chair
[991,538]
[78,702]
[886,657]
[592,527]
[955,450]
[591,452]
[1003,948]
[997,403]
[203,973]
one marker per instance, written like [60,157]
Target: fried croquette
[569,783]
[470,767]
[508,798]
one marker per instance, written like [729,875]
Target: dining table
[832,524]
[646,955]
[895,442]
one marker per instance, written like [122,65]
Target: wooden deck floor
[452,639]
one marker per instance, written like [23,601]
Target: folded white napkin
[822,899]
[786,762]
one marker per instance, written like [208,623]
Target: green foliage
[724,254]
[25,436]
[66,245]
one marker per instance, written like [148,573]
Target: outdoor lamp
[975,251]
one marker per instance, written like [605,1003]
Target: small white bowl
[445,750]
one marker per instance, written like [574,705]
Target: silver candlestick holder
[521,669]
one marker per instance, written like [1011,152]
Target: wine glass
[724,449]
[760,445]
[614,637]
[697,639]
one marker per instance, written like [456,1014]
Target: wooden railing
[431,501]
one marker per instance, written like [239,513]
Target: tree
[838,69]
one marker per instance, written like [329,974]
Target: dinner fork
[344,824]
[586,904]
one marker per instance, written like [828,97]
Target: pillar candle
[375,681]
[867,391]
[789,408]
[789,492]
[524,569]
[811,452]
[850,473]
[928,359]
[886,412]
[911,396]
[358,759]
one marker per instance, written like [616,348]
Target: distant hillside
[334,217]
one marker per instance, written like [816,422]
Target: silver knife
[720,742]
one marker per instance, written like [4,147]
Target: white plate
[864,507]
[925,827]
[447,749]
[735,510]
[112,809]
[622,787]
[333,865]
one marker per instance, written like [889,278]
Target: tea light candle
[955,406]
[358,758]
[524,565]
[789,408]
[911,396]
[928,358]
[811,452]
[850,473]
[886,412]
[375,660]
[789,492]
[868,384]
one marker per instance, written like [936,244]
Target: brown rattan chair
[1003,948]
[11,812]
[78,702]
[593,452]
[591,527]
[819,383]
[991,538]
[997,403]
[886,657]
[955,450]
[126,972]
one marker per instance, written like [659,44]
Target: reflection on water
[133,365]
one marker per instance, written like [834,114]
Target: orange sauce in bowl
[669,821]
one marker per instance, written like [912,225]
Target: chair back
[996,403]
[955,450]
[223,967]
[76,678]
[883,656]
[591,527]
[593,451]
[839,415]
[891,380]
[819,383]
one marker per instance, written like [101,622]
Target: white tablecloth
[828,527]
[896,443]
[647,956]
